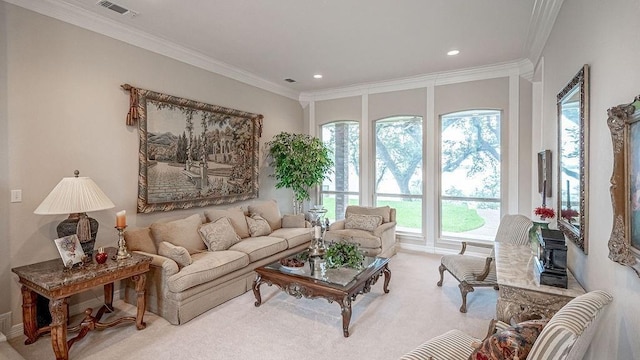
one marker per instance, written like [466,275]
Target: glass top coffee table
[341,285]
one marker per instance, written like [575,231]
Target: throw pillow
[176,253]
[235,215]
[515,342]
[219,235]
[269,211]
[183,232]
[384,211]
[293,221]
[141,240]
[258,226]
[362,222]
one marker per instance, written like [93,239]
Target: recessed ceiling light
[453,52]
[317,76]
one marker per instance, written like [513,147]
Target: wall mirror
[573,138]
[624,243]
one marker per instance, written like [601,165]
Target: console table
[521,294]
[51,280]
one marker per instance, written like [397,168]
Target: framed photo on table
[70,250]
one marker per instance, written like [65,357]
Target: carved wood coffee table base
[311,288]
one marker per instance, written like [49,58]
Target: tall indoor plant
[299,162]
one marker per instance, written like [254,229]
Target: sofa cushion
[513,342]
[176,253]
[140,240]
[183,232]
[384,211]
[365,238]
[218,235]
[293,221]
[207,266]
[260,247]
[269,211]
[235,215]
[362,222]
[258,226]
[294,236]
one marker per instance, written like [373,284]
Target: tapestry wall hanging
[192,153]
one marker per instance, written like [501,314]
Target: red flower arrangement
[544,212]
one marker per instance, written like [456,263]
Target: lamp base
[69,226]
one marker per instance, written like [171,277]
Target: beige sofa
[202,261]
[373,228]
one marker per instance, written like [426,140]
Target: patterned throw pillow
[514,342]
[258,226]
[362,222]
[269,211]
[218,235]
[176,253]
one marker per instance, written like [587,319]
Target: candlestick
[122,245]
[121,219]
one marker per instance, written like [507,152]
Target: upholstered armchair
[373,228]
[566,335]
[475,271]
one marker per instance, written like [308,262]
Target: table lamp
[76,196]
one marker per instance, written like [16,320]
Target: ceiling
[349,42]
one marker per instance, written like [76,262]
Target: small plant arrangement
[342,253]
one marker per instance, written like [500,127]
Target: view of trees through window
[470,174]
[469,164]
[343,187]
[398,169]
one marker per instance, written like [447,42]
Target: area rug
[383,326]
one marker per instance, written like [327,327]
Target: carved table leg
[58,309]
[29,315]
[108,296]
[387,278]
[141,302]
[345,305]
[256,290]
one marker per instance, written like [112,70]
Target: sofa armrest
[168,266]
[384,227]
[338,225]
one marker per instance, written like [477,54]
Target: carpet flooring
[383,326]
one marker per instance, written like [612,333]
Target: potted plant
[299,162]
[343,253]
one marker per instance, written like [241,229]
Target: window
[470,171]
[398,169]
[343,188]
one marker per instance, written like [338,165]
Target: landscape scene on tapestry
[194,154]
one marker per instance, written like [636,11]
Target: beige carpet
[383,326]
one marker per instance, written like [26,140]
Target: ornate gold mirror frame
[624,243]
[573,138]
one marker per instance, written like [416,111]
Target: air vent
[289,80]
[114,7]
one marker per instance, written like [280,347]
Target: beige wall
[349,108]
[603,34]
[5,256]
[66,111]
[406,102]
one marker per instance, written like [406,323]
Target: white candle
[318,232]
[121,219]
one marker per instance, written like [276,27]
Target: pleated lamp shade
[74,195]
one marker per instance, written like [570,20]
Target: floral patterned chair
[565,336]
[474,271]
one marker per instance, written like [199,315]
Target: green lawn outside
[456,218]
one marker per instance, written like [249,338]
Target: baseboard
[18,329]
[5,323]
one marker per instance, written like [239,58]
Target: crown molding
[87,20]
[523,67]
[541,23]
